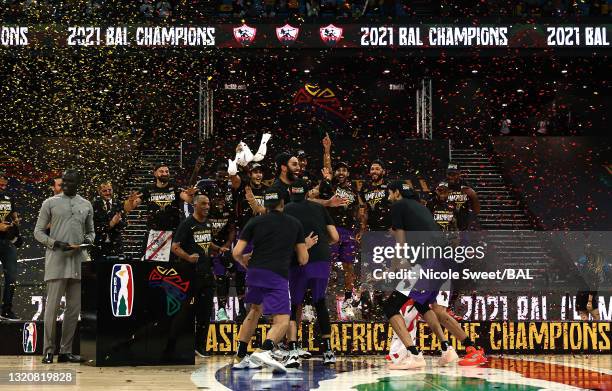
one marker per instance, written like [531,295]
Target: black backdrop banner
[413,35]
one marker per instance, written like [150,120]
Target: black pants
[203,296]
[8,257]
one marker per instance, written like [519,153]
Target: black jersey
[444,214]
[345,216]
[461,201]
[375,197]
[162,206]
[196,237]
[244,212]
[7,208]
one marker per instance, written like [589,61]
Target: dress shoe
[69,357]
[47,358]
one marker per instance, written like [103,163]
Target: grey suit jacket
[71,220]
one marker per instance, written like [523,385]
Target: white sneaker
[245,363]
[398,351]
[411,361]
[329,358]
[280,353]
[308,314]
[221,315]
[293,361]
[202,353]
[448,357]
[304,354]
[264,357]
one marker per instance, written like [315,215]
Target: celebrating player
[314,275]
[275,237]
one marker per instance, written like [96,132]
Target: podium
[137,313]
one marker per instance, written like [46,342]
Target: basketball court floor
[363,373]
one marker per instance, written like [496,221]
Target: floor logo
[122,290]
[174,285]
[29,337]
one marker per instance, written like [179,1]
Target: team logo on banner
[173,284]
[331,34]
[122,290]
[244,34]
[287,34]
[29,337]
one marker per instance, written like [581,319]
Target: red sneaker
[473,357]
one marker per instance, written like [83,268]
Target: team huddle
[279,243]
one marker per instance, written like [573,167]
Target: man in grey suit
[72,230]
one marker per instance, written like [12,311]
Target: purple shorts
[346,249]
[425,291]
[276,301]
[313,276]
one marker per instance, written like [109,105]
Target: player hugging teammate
[284,234]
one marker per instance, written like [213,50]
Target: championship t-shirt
[243,210]
[461,201]
[196,237]
[345,216]
[444,214]
[7,207]
[222,221]
[375,197]
[162,206]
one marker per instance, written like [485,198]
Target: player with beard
[345,217]
[374,216]
[463,197]
[162,199]
[287,168]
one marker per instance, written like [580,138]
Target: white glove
[245,156]
[261,151]
[232,168]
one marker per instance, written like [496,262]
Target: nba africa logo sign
[174,285]
[122,290]
[318,98]
[29,337]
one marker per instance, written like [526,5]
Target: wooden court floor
[362,373]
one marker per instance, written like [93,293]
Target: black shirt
[409,214]
[7,207]
[314,218]
[243,209]
[222,222]
[274,236]
[163,206]
[282,185]
[345,216]
[444,214]
[377,204]
[196,237]
[461,201]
